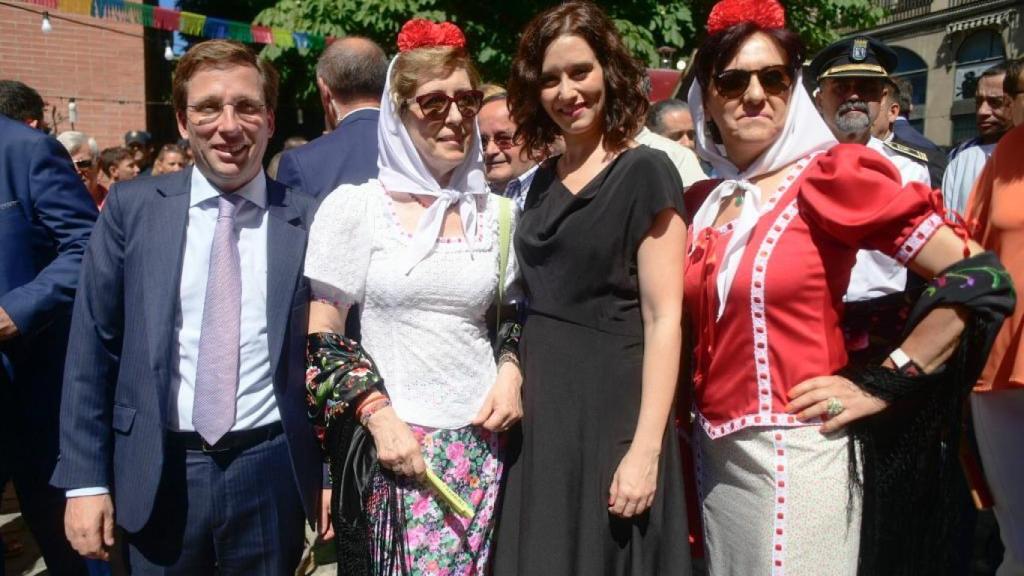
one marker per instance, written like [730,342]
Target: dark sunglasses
[83,164]
[733,83]
[502,140]
[435,105]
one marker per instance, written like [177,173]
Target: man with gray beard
[854,95]
[853,88]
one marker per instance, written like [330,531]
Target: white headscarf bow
[402,170]
[803,133]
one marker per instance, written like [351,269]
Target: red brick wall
[104,71]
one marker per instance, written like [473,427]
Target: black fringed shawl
[909,452]
[339,372]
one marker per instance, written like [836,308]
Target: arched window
[914,70]
[977,52]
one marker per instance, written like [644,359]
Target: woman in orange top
[997,206]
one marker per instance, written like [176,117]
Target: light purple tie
[213,410]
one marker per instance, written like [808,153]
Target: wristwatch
[904,364]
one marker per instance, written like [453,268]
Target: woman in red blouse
[769,256]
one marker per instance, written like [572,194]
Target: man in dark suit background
[184,401]
[904,133]
[46,216]
[350,76]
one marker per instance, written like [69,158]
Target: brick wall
[103,70]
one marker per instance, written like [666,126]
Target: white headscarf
[402,170]
[803,133]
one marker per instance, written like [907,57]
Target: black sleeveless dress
[582,354]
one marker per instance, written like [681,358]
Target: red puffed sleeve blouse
[781,321]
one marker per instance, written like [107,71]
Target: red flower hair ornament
[766,14]
[420,33]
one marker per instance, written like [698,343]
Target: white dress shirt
[256,404]
[962,173]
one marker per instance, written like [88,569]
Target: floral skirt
[437,540]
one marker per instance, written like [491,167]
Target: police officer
[855,94]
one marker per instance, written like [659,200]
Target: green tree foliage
[493,29]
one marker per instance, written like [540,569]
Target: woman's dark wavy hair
[718,49]
[625,101]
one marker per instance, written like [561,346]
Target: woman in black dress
[597,486]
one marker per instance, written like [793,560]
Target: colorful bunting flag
[166,19]
[262,34]
[283,38]
[192,24]
[75,6]
[215,28]
[239,31]
[187,22]
[107,8]
[139,13]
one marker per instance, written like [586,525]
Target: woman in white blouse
[418,251]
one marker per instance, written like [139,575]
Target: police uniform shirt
[875,274]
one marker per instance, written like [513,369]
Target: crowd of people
[539,328]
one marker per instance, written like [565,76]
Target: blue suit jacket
[46,216]
[347,155]
[120,357]
[907,133]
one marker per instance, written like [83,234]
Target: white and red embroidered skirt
[778,501]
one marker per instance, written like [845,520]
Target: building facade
[943,47]
[97,64]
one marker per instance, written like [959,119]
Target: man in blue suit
[350,76]
[46,216]
[184,401]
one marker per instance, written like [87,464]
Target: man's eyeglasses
[209,112]
[83,164]
[733,83]
[435,105]
[503,140]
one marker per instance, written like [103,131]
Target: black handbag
[361,487]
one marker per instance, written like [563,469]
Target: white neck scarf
[804,133]
[402,170]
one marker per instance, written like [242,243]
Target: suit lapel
[286,246]
[163,227]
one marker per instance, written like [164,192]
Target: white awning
[1000,19]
